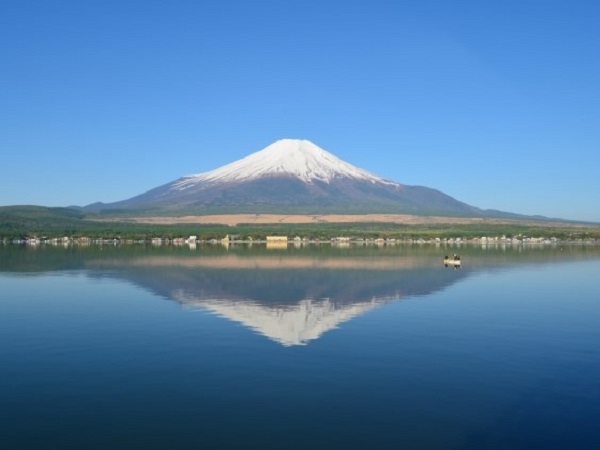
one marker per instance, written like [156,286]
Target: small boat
[454,261]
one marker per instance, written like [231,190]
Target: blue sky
[496,103]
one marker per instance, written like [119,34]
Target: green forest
[42,222]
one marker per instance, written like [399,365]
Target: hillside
[290,176]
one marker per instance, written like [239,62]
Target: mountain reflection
[287,324]
[290,297]
[289,300]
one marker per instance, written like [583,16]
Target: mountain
[291,176]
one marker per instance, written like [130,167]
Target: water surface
[304,348]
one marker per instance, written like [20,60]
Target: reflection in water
[93,355]
[291,298]
[287,324]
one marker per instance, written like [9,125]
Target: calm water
[304,348]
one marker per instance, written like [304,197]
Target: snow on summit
[299,158]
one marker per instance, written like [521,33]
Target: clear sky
[496,103]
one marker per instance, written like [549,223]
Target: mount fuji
[291,176]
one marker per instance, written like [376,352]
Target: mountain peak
[291,176]
[286,157]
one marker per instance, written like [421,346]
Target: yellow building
[277,241]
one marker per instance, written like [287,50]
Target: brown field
[236,219]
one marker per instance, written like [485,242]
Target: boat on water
[452,261]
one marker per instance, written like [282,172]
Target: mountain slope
[297,158]
[290,176]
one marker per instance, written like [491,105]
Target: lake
[319,347]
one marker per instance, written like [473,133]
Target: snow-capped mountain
[297,158]
[290,176]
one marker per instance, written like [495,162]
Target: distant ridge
[292,176]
